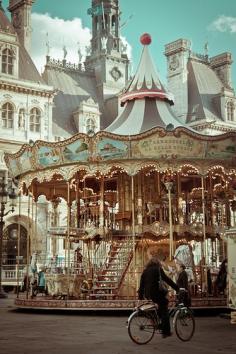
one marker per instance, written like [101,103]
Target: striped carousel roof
[146,102]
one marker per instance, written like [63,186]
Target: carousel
[147,181]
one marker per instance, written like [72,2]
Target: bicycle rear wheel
[141,327]
[184,324]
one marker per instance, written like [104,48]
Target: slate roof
[204,87]
[73,87]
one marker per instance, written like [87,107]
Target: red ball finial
[145,39]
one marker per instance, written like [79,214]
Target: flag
[95,11]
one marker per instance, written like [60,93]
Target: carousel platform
[48,303]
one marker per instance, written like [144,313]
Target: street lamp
[169,185]
[5,193]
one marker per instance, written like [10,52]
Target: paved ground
[70,333]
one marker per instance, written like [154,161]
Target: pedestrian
[41,281]
[221,280]
[182,282]
[150,289]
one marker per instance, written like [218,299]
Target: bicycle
[145,321]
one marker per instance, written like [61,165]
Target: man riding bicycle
[150,289]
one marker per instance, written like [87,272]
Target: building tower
[107,55]
[177,54]
[21,20]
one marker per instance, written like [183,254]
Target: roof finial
[47,44]
[206,48]
[146,39]
[64,52]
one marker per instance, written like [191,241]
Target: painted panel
[112,149]
[25,161]
[14,167]
[158,147]
[77,151]
[222,149]
[48,156]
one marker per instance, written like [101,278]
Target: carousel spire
[146,82]
[146,102]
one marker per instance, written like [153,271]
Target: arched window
[35,118]
[7,115]
[90,125]
[21,119]
[7,61]
[230,111]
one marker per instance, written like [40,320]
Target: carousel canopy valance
[96,153]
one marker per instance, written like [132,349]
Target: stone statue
[21,120]
[48,45]
[104,43]
[64,52]
[123,48]
[88,50]
[79,54]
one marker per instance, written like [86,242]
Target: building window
[21,119]
[35,118]
[7,115]
[7,61]
[90,125]
[230,111]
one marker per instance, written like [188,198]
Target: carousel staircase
[108,281]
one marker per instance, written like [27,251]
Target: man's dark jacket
[149,283]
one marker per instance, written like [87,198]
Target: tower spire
[107,55]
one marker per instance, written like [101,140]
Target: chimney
[221,64]
[21,20]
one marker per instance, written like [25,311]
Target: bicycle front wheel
[184,324]
[141,327]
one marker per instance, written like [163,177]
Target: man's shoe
[165,335]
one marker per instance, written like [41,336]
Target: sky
[66,23]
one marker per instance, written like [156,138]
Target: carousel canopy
[100,153]
[147,103]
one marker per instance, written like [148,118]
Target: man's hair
[154,261]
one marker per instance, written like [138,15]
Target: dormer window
[7,61]
[230,111]
[7,115]
[35,120]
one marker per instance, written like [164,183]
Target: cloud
[224,24]
[59,33]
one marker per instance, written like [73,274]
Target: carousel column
[140,203]
[101,206]
[133,217]
[68,239]
[78,224]
[55,223]
[204,248]
[28,247]
[169,185]
[18,246]
[127,201]
[159,197]
[33,218]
